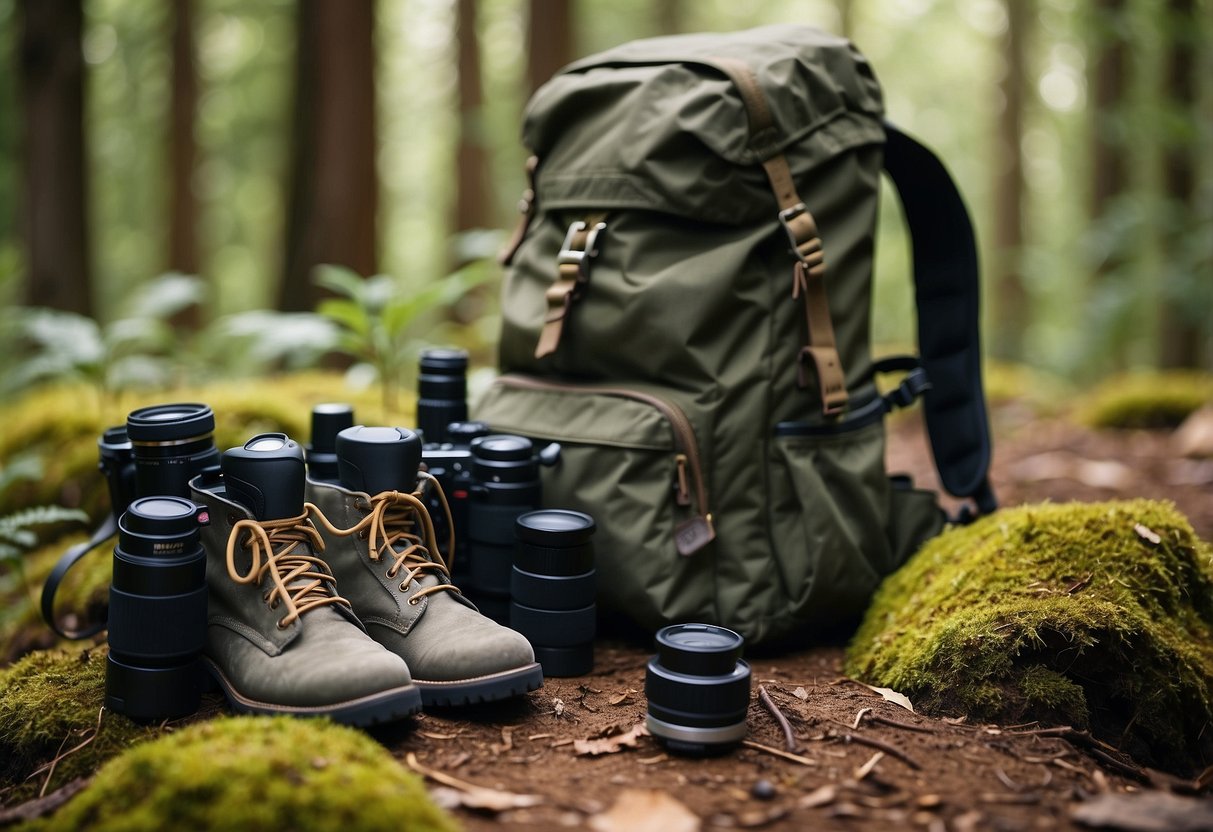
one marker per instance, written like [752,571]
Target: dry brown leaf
[1146,533]
[1151,811]
[611,744]
[620,698]
[1194,438]
[801,694]
[646,810]
[890,695]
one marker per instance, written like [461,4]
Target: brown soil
[863,763]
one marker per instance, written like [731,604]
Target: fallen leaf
[646,810]
[801,694]
[1146,533]
[893,696]
[1104,473]
[1151,811]
[619,698]
[1194,438]
[611,744]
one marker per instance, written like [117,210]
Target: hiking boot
[279,637]
[383,552]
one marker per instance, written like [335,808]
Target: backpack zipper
[690,535]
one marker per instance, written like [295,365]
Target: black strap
[946,281]
[103,533]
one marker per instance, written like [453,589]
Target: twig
[795,758]
[866,769]
[1007,781]
[61,754]
[880,745]
[789,738]
[894,723]
[41,806]
[1092,745]
[859,717]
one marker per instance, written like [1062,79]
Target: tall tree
[183,148]
[333,190]
[1180,325]
[55,197]
[473,206]
[549,39]
[670,17]
[1010,295]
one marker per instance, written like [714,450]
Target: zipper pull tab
[692,535]
[682,491]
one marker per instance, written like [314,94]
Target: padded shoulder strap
[946,281]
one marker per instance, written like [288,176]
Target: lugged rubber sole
[384,706]
[490,688]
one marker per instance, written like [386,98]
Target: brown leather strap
[572,276]
[526,211]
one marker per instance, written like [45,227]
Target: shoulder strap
[946,281]
[107,529]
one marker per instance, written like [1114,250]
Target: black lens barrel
[157,610]
[328,420]
[552,589]
[441,391]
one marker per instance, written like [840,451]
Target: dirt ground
[859,762]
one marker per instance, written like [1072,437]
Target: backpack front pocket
[630,458]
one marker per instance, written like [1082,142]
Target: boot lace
[399,524]
[301,581]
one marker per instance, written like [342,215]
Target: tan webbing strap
[808,273]
[572,275]
[526,210]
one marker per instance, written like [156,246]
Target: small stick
[789,738]
[894,723]
[866,769]
[1092,745]
[795,758]
[859,717]
[880,745]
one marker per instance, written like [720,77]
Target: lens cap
[502,448]
[266,475]
[462,433]
[169,422]
[166,516]
[699,649]
[554,528]
[375,459]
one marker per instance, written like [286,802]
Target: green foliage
[379,322]
[1146,400]
[1063,613]
[250,773]
[50,702]
[17,533]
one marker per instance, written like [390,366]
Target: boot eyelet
[362,535]
[282,626]
[413,601]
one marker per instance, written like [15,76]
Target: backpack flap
[946,294]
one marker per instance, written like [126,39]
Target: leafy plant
[379,322]
[18,533]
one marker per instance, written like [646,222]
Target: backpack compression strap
[946,294]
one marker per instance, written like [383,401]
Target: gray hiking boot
[383,552]
[279,637]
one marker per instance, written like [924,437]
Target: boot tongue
[373,459]
[267,476]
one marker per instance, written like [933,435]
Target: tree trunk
[1010,295]
[473,207]
[846,18]
[670,17]
[55,197]
[549,39]
[331,216]
[183,156]
[1180,331]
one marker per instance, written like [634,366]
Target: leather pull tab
[692,535]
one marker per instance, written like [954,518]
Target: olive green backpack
[686,310]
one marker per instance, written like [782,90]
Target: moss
[1147,400]
[254,773]
[1042,392]
[1064,613]
[50,702]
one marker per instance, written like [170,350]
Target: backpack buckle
[580,257]
[802,233]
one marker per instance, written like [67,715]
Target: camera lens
[376,459]
[171,443]
[328,420]
[441,392]
[698,689]
[552,588]
[157,610]
[114,450]
[505,476]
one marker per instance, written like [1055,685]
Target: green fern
[17,534]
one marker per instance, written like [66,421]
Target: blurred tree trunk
[1010,295]
[670,17]
[1180,331]
[55,196]
[549,39]
[1109,151]
[473,207]
[846,18]
[333,188]
[183,154]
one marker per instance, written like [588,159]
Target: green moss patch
[1094,615]
[1147,400]
[254,773]
[50,702]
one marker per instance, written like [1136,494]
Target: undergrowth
[1146,400]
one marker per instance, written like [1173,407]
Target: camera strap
[69,558]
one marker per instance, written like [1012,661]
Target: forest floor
[574,753]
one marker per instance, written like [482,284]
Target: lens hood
[555,528]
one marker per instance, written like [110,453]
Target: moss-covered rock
[1146,400]
[254,773]
[50,702]
[1095,615]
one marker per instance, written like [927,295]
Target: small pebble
[763,789]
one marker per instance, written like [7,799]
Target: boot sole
[384,706]
[490,688]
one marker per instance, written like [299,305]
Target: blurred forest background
[246,142]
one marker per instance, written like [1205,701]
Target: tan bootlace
[301,581]
[391,519]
